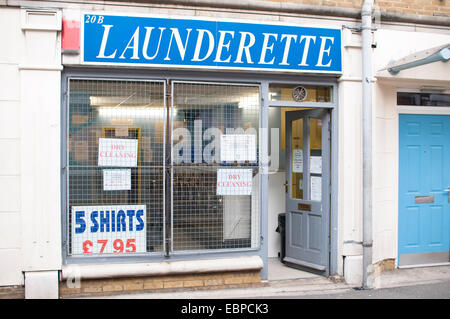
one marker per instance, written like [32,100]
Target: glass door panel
[297,159]
[315,159]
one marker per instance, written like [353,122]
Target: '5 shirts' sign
[108,229]
[109,39]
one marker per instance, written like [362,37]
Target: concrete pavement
[413,276]
[427,291]
[314,286]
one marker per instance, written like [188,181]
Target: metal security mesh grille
[115,166]
[215,166]
[138,178]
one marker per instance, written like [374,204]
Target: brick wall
[162,283]
[422,7]
[12,292]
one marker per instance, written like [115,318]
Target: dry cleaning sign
[117,152]
[234,182]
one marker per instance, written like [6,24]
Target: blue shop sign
[163,42]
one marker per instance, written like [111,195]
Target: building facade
[151,145]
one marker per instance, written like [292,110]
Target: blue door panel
[437,164]
[436,222]
[413,164]
[424,170]
[412,224]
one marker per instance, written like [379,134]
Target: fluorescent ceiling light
[135,112]
[112,101]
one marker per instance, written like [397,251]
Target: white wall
[385,172]
[30,210]
[394,45]
[40,131]
[350,154]
[10,199]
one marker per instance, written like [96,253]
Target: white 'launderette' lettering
[181,48]
[222,45]
[135,46]
[223,50]
[305,51]
[323,50]
[266,47]
[201,33]
[101,53]
[146,41]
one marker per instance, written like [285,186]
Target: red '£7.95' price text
[119,246]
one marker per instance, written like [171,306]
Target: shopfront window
[215,165]
[146,167]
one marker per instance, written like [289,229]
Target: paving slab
[307,285]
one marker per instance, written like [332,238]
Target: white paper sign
[238,147]
[245,147]
[234,182]
[316,188]
[116,179]
[297,161]
[115,229]
[117,152]
[316,164]
[227,142]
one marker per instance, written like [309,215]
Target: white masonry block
[353,270]
[41,285]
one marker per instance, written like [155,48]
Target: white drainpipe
[366,17]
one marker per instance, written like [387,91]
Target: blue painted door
[424,180]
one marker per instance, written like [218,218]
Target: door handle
[286,186]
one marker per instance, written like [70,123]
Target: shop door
[307,189]
[424,182]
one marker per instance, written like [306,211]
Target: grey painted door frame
[333,262]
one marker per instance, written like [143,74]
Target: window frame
[136,257]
